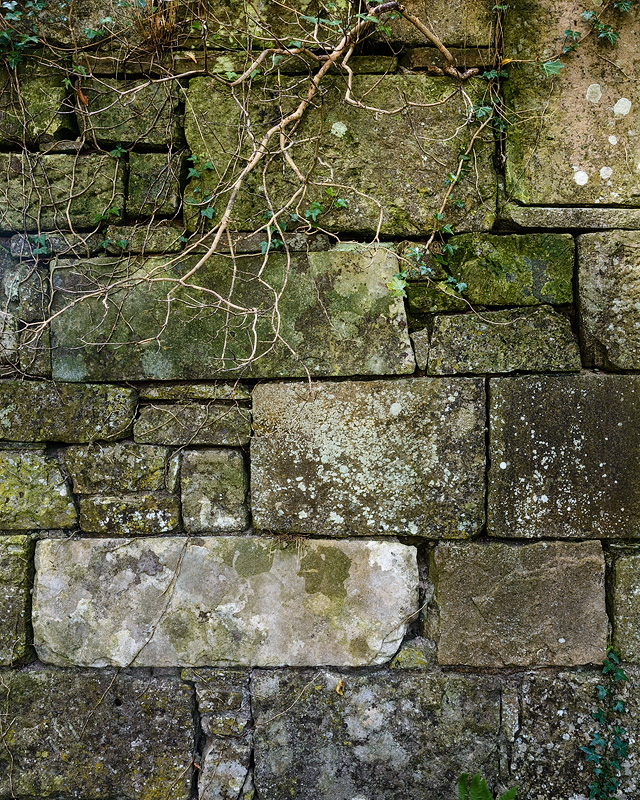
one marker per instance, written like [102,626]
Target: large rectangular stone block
[322,313]
[504,605]
[122,467]
[381,457]
[15,588]
[31,105]
[214,491]
[388,736]
[466,23]
[96,734]
[222,600]
[564,456]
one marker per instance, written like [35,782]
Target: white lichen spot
[594,93]
[581,177]
[338,129]
[613,139]
[503,465]
[606,173]
[333,517]
[622,107]
[395,409]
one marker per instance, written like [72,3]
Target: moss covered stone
[9,305]
[15,592]
[214,490]
[124,514]
[554,218]
[514,270]
[394,457]
[120,467]
[154,184]
[433,297]
[466,23]
[31,105]
[323,313]
[193,424]
[194,391]
[219,601]
[97,734]
[46,411]
[626,605]
[33,492]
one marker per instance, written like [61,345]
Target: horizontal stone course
[15,586]
[137,514]
[193,424]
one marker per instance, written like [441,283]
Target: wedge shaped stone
[609,281]
[532,339]
[214,491]
[193,424]
[15,587]
[123,467]
[131,719]
[221,600]
[33,493]
[503,605]
[381,457]
[39,411]
[388,736]
[324,313]
[564,456]
[137,514]
[342,142]
[626,606]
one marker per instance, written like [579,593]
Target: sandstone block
[15,585]
[120,467]
[154,184]
[534,339]
[33,493]
[566,218]
[129,515]
[432,298]
[38,411]
[609,286]
[504,605]
[465,23]
[75,733]
[382,457]
[325,313]
[564,455]
[30,105]
[194,424]
[626,606]
[222,600]
[389,736]
[194,391]
[214,491]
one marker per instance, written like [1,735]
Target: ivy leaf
[552,67]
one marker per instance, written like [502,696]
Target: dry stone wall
[269,530]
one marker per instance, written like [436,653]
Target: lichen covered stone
[219,601]
[214,491]
[154,184]
[15,588]
[457,22]
[137,514]
[382,457]
[31,105]
[626,605]
[193,424]
[194,391]
[552,217]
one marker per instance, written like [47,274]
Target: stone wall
[267,528]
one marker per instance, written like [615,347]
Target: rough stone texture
[335,316]
[567,218]
[214,490]
[466,23]
[32,411]
[76,189]
[418,653]
[401,193]
[420,341]
[121,467]
[389,736]
[433,297]
[194,424]
[95,734]
[154,184]
[224,769]
[514,270]
[532,339]
[129,515]
[194,391]
[609,292]
[382,457]
[30,105]
[626,605]
[504,605]
[577,144]
[33,493]
[564,456]
[9,305]
[143,237]
[15,587]
[220,601]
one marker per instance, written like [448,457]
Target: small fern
[476,789]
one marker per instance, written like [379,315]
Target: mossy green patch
[325,570]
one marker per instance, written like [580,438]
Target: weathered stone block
[33,493]
[194,424]
[626,605]
[466,23]
[397,194]
[194,391]
[35,411]
[214,490]
[123,467]
[30,105]
[567,218]
[401,457]
[154,184]
[144,237]
[225,768]
[9,305]
[129,515]
[504,605]
[388,736]
[221,600]
[433,298]
[515,270]
[56,191]
[95,733]
[609,286]
[532,339]
[15,588]
[420,341]
[564,457]
[324,313]
[577,144]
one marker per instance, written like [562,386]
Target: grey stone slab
[194,391]
[503,605]
[609,298]
[193,424]
[420,341]
[225,768]
[626,605]
[31,105]
[564,456]
[556,218]
[39,411]
[532,339]
[137,514]
[389,736]
[399,457]
[15,587]
[124,467]
[214,491]
[97,734]
[222,600]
